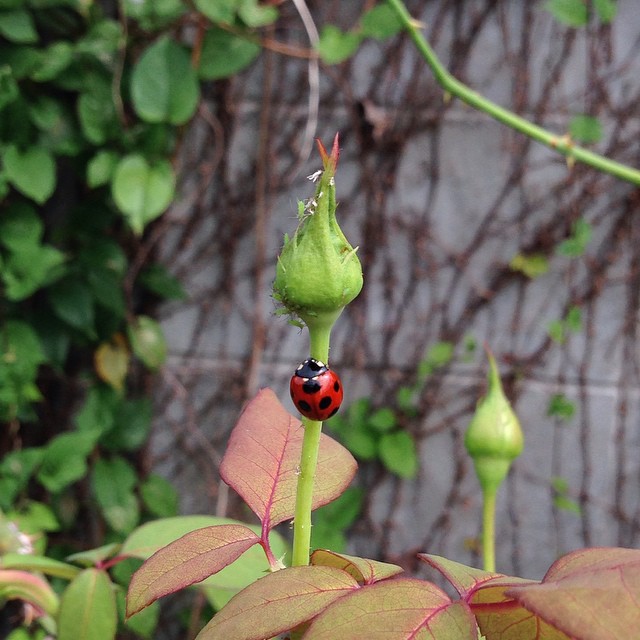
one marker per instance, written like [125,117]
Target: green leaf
[561,407]
[101,167]
[343,511]
[573,320]
[585,129]
[555,329]
[570,12]
[113,482]
[533,265]
[158,280]
[142,191]
[362,442]
[606,10]
[440,354]
[335,45]
[566,504]
[224,54]
[154,15]
[383,419]
[32,172]
[131,425]
[72,302]
[380,22]
[55,59]
[97,111]
[8,86]
[576,244]
[29,269]
[18,26]
[88,608]
[98,410]
[398,454]
[256,15]
[164,85]
[65,460]
[20,227]
[148,342]
[217,10]
[159,496]
[40,564]
[93,557]
[144,622]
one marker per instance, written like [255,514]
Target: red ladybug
[316,390]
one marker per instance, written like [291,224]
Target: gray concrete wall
[439,198]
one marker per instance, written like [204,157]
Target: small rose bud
[318,272]
[494,437]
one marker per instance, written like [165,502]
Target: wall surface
[439,198]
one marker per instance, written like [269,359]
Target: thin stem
[562,144]
[304,494]
[319,335]
[489,529]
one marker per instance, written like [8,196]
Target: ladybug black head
[311,368]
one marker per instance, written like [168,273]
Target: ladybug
[316,390]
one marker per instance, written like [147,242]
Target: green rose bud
[494,437]
[318,272]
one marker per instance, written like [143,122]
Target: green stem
[562,144]
[319,335]
[488,529]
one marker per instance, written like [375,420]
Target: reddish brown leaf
[499,616]
[397,609]
[190,559]
[263,456]
[278,602]
[591,594]
[365,571]
[464,579]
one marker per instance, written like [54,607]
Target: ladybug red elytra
[316,390]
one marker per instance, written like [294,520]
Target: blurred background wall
[469,234]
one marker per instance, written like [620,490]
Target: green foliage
[532,266]
[380,22]
[561,407]
[90,117]
[561,499]
[573,13]
[585,129]
[576,244]
[559,330]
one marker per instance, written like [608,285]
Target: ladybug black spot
[311,386]
[304,406]
[336,386]
[325,403]
[333,413]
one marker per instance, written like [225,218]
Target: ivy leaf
[32,172]
[148,342]
[217,10]
[72,302]
[101,167]
[606,10]
[335,45]
[576,244]
[113,482]
[585,129]
[256,15]
[224,54]
[142,191]
[18,26]
[380,22]
[573,13]
[111,361]
[561,407]
[533,265]
[164,86]
[398,454]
